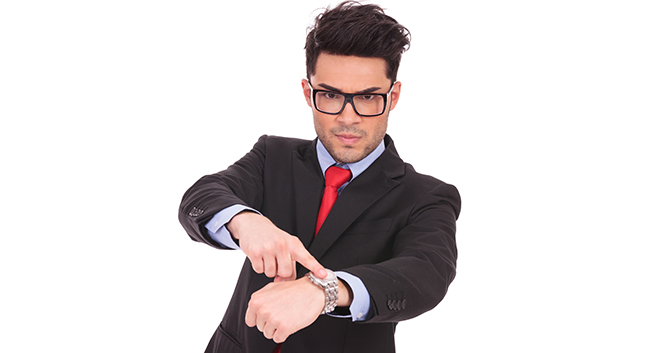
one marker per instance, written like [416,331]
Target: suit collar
[326,160]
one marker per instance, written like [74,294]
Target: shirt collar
[357,168]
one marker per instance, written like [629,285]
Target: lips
[348,139]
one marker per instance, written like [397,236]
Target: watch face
[331,277]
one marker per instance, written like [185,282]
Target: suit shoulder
[283,143]
[422,185]
[280,149]
[416,178]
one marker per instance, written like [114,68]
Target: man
[389,236]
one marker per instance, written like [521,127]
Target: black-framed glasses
[364,104]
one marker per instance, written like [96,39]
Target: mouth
[347,139]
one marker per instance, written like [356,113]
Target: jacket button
[195,212]
[392,305]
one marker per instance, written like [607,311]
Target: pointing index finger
[306,259]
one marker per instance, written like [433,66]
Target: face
[349,137]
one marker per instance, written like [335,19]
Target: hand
[271,250]
[283,308]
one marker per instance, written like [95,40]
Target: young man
[389,236]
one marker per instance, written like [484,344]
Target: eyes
[339,96]
[364,104]
[366,97]
[331,95]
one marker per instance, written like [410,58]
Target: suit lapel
[309,184]
[357,197]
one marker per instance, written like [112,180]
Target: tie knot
[335,176]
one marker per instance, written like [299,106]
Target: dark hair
[360,30]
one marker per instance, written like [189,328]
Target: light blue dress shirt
[360,306]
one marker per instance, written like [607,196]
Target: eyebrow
[368,90]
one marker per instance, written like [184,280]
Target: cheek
[318,125]
[380,129]
[321,124]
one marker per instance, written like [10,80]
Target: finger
[285,265]
[251,317]
[282,332]
[284,279]
[293,276]
[257,264]
[269,330]
[270,266]
[279,336]
[261,324]
[306,259]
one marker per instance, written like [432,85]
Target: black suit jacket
[391,227]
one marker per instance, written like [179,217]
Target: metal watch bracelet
[330,286]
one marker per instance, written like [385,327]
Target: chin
[350,156]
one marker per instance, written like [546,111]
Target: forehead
[350,73]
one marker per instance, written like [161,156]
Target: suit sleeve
[241,183]
[423,262]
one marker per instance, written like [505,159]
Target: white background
[540,112]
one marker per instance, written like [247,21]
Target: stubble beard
[348,154]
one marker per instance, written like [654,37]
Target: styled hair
[360,30]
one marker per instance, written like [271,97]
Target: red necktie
[335,177]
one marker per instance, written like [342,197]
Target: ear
[307,92]
[395,94]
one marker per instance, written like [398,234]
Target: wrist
[234,225]
[315,292]
[345,294]
[330,287]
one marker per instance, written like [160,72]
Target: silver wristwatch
[331,287]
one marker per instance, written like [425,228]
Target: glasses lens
[329,102]
[369,104]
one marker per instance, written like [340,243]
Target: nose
[348,116]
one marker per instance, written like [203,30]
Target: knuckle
[255,252]
[296,242]
[255,302]
[264,313]
[280,243]
[279,338]
[282,327]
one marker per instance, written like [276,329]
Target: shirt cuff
[361,304]
[216,226]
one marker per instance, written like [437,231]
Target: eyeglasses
[365,104]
